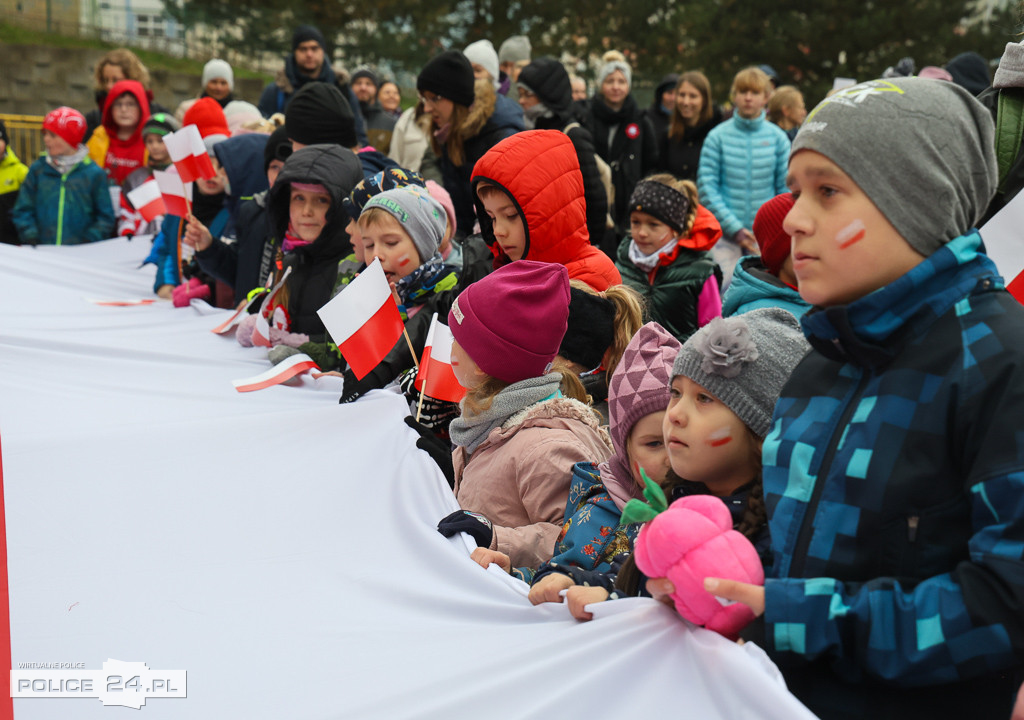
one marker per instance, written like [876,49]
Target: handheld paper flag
[436,378]
[146,198]
[188,153]
[174,194]
[364,320]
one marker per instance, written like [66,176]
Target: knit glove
[354,389]
[438,450]
[474,524]
[434,414]
[193,288]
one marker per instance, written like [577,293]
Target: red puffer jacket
[540,171]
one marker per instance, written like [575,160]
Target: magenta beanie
[511,322]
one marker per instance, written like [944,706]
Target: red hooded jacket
[120,157]
[540,171]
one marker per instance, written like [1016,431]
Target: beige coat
[519,476]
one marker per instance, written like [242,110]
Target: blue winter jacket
[742,165]
[894,483]
[55,209]
[753,287]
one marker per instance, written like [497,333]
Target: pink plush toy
[183,294]
[690,541]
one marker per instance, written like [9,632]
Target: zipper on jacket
[803,540]
[60,210]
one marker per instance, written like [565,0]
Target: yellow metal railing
[26,138]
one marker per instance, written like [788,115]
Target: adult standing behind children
[894,472]
[379,125]
[693,117]
[467,120]
[117,65]
[307,63]
[64,199]
[545,95]
[742,166]
[623,137]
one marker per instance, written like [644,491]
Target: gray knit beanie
[419,214]
[922,150]
[516,49]
[744,361]
[609,67]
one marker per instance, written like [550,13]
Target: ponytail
[479,399]
[629,318]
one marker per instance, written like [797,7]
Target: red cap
[773,241]
[67,124]
[207,115]
[511,322]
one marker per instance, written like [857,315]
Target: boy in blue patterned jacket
[894,471]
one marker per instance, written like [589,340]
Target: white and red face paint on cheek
[851,234]
[403,261]
[720,437]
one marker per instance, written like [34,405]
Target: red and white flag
[148,201]
[175,195]
[270,314]
[282,372]
[436,378]
[364,320]
[188,153]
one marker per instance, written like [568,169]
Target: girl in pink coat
[525,422]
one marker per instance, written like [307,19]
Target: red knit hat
[66,123]
[207,115]
[511,322]
[773,241]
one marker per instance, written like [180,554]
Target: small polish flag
[436,378]
[282,372]
[261,333]
[364,320]
[188,153]
[174,193]
[146,198]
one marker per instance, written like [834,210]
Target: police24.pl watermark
[128,684]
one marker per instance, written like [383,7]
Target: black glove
[438,450]
[465,521]
[354,389]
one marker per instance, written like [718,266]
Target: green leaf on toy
[637,511]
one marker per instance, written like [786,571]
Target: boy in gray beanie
[894,468]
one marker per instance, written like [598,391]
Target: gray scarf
[65,163]
[470,431]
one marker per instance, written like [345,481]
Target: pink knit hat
[441,195]
[773,241]
[639,386]
[511,322]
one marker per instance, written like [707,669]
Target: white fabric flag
[276,546]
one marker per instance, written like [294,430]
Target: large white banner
[277,547]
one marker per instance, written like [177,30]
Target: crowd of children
[811,333]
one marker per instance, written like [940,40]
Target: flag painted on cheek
[851,234]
